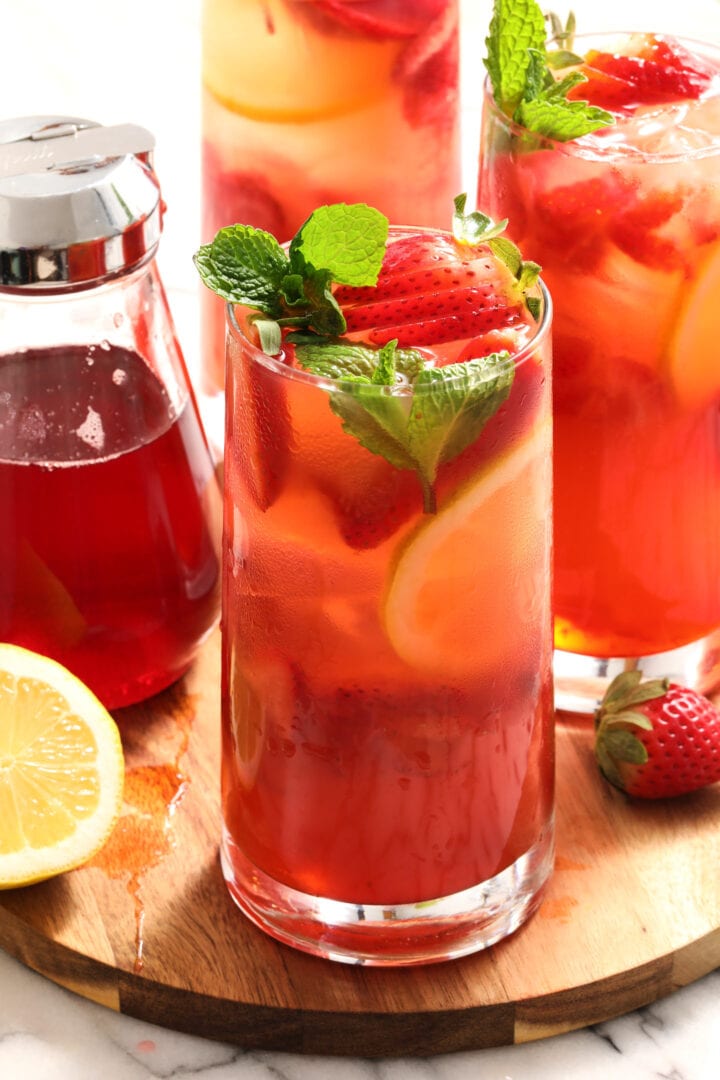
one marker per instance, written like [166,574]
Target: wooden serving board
[632,912]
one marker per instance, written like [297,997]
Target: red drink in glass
[627,223]
[387,734]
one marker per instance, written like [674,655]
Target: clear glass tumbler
[626,225]
[387,692]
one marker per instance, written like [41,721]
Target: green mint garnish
[427,419]
[339,243]
[392,400]
[521,68]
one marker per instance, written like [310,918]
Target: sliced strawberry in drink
[237,197]
[428,70]
[375,18]
[655,70]
[635,230]
[574,219]
[370,516]
[430,291]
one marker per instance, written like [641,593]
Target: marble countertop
[139,62]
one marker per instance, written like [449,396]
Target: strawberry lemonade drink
[387,645]
[627,218]
[314,101]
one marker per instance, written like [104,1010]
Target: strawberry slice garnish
[655,70]
[656,739]
[432,290]
[378,18]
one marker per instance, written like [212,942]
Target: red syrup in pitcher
[108,561]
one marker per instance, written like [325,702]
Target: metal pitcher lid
[79,202]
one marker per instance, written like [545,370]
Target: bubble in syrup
[91,430]
[119,377]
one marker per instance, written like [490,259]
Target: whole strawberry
[656,739]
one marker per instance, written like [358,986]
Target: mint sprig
[339,243]
[520,67]
[423,419]
[391,400]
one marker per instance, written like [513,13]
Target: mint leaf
[515,27]
[520,67]
[349,241]
[341,243]
[245,266]
[451,406]
[419,426]
[384,374]
[561,120]
[344,359]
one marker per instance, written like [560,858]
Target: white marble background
[138,61]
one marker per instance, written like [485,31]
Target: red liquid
[107,561]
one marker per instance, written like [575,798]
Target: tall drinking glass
[626,223]
[387,702]
[319,101]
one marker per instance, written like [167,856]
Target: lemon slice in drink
[61,769]
[256,62]
[467,593]
[692,365]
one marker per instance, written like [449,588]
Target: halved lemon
[469,592]
[692,360]
[61,769]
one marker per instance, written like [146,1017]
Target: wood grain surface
[148,928]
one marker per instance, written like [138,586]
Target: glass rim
[594,150]
[276,364]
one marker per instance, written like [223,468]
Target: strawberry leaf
[638,719]
[624,746]
[608,767]
[477,228]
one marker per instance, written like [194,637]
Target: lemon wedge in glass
[486,552]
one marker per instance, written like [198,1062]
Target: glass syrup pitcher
[109,506]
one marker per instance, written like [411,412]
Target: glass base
[395,934]
[581,681]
